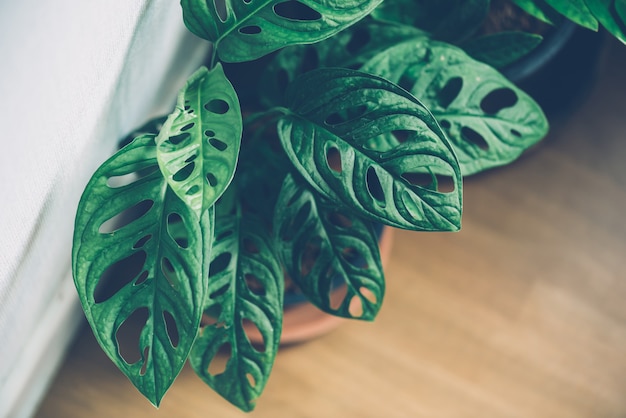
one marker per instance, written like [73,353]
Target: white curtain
[75,76]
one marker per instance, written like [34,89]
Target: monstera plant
[357,113]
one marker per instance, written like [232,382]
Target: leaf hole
[374,187]
[210,316]
[142,278]
[177,139]
[402,135]
[118,275]
[211,179]
[217,144]
[188,126]
[337,294]
[144,366]
[219,362]
[498,100]
[217,106]
[184,173]
[253,333]
[219,292]
[142,241]
[449,92]
[219,264]
[333,158]
[167,268]
[128,336]
[115,182]
[220,9]
[171,328]
[295,10]
[516,133]
[177,230]
[254,284]
[356,307]
[473,137]
[126,217]
[250,30]
[445,124]
[368,295]
[251,380]
[193,190]
[441,183]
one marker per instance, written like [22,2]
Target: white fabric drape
[75,76]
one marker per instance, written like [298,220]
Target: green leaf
[350,48]
[324,249]
[501,49]
[448,20]
[198,146]
[246,289]
[139,252]
[246,30]
[539,9]
[610,13]
[348,114]
[576,11]
[489,121]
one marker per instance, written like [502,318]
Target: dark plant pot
[559,73]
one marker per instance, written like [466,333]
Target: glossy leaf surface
[246,30]
[347,116]
[325,249]
[489,121]
[198,145]
[245,295]
[139,254]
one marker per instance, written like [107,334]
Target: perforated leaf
[138,261]
[325,249]
[246,30]
[245,296]
[333,137]
[198,145]
[489,121]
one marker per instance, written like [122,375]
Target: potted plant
[360,118]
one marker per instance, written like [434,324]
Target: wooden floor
[521,314]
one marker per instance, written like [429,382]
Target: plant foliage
[370,113]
